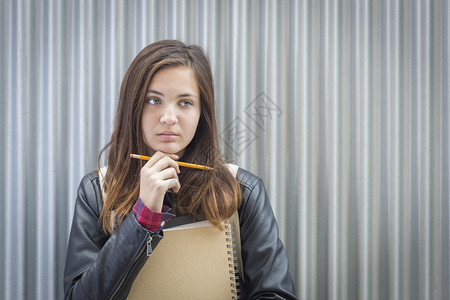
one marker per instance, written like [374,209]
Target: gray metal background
[340,106]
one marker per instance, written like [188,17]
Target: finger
[169,160]
[158,180]
[157,184]
[155,158]
[166,162]
[174,184]
[166,174]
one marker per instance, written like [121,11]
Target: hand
[158,175]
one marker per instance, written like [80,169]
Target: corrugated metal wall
[340,106]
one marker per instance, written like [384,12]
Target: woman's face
[172,110]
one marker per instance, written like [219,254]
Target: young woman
[166,110]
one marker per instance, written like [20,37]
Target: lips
[167,135]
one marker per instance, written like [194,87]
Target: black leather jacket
[99,266]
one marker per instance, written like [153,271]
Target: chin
[171,150]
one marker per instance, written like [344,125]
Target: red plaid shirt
[149,219]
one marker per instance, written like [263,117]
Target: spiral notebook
[192,261]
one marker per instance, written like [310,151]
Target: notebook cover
[192,261]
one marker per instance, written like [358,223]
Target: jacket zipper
[149,249]
[149,245]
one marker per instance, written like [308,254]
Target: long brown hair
[212,195]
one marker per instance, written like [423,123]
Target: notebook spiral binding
[232,259]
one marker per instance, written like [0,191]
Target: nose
[169,116]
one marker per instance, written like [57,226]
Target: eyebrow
[155,92]
[179,96]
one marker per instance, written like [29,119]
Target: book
[192,261]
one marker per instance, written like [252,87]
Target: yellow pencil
[180,163]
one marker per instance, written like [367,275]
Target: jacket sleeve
[266,274]
[99,266]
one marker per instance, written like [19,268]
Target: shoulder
[89,192]
[90,181]
[254,195]
[248,180]
[255,211]
[89,178]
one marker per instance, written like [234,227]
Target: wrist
[149,219]
[155,206]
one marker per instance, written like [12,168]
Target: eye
[153,100]
[186,103]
